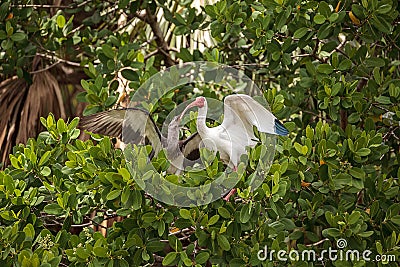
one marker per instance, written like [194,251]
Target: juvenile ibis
[140,128]
[241,113]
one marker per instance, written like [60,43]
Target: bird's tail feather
[280,129]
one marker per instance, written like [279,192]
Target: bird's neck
[172,142]
[201,120]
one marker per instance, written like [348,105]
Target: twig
[316,115]
[318,243]
[151,19]
[61,60]
[97,224]
[41,6]
[148,42]
[46,68]
[52,6]
[152,53]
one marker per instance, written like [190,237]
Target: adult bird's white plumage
[241,113]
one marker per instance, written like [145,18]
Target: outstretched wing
[131,125]
[243,110]
[106,123]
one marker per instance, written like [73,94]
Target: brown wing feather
[106,123]
[131,125]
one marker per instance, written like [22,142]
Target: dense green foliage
[328,69]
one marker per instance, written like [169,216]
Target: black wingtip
[280,129]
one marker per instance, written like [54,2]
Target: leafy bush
[328,68]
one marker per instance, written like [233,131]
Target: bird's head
[198,102]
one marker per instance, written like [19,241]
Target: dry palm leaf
[21,107]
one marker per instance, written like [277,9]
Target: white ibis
[241,113]
[140,128]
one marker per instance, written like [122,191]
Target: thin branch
[163,47]
[41,6]
[61,60]
[52,6]
[317,243]
[149,55]
[317,115]
[95,223]
[46,68]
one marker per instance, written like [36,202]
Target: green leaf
[4,9]
[345,64]
[124,173]
[354,216]
[202,257]
[333,17]
[383,100]
[3,35]
[357,173]
[169,258]
[384,8]
[53,209]
[46,171]
[366,234]
[396,219]
[185,214]
[29,231]
[113,194]
[224,213]
[108,51]
[161,228]
[130,74]
[100,252]
[362,152]
[324,31]
[155,246]
[82,253]
[223,242]
[300,32]
[245,213]
[374,62]
[123,3]
[353,118]
[185,259]
[379,247]
[325,68]
[334,232]
[213,220]
[175,243]
[358,11]
[125,195]
[85,85]
[324,9]
[18,36]
[296,235]
[298,147]
[60,21]
[136,199]
[45,157]
[319,19]
[381,24]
